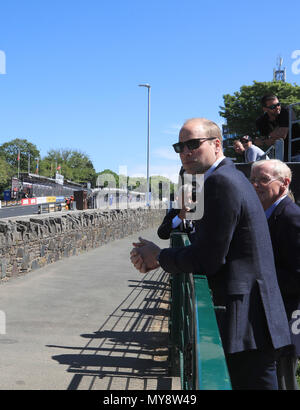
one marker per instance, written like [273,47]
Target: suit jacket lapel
[280,207]
[277,211]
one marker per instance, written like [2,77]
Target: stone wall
[28,243]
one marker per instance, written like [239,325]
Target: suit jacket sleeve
[208,252]
[288,268]
[165,228]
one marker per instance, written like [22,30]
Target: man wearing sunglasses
[232,246]
[252,152]
[273,127]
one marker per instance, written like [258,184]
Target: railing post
[290,134]
[193,331]
[176,302]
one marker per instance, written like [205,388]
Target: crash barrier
[195,345]
[46,208]
[10,203]
[43,200]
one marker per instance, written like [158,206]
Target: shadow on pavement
[129,350]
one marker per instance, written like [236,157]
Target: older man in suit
[176,218]
[233,248]
[271,180]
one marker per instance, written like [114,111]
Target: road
[86,322]
[18,210]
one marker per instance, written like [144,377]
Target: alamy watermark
[131,192]
[296,64]
[2,323]
[2,62]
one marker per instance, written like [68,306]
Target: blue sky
[73,69]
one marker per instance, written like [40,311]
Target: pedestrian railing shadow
[129,350]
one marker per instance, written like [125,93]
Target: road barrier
[194,341]
[10,203]
[29,201]
[45,204]
[50,207]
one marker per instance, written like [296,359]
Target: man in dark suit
[176,218]
[233,248]
[271,180]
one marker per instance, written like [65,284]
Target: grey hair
[280,169]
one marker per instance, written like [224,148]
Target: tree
[6,172]
[72,164]
[159,185]
[9,151]
[243,107]
[107,178]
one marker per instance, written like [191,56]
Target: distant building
[228,136]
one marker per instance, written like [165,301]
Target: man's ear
[218,144]
[286,182]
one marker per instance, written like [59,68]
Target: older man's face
[267,185]
[199,160]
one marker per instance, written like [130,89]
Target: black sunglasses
[271,107]
[191,144]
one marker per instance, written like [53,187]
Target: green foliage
[6,172]
[243,107]
[9,151]
[74,165]
[107,178]
[159,185]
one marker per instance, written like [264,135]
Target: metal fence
[195,347]
[292,120]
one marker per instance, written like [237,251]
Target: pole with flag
[18,162]
[28,162]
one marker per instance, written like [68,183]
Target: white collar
[213,167]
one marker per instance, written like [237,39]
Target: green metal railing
[195,347]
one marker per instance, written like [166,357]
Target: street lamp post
[148,142]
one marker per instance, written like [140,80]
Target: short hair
[184,191]
[266,98]
[236,140]
[280,169]
[246,138]
[211,129]
[186,188]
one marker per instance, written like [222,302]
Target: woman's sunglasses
[191,144]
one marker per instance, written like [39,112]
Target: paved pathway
[87,322]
